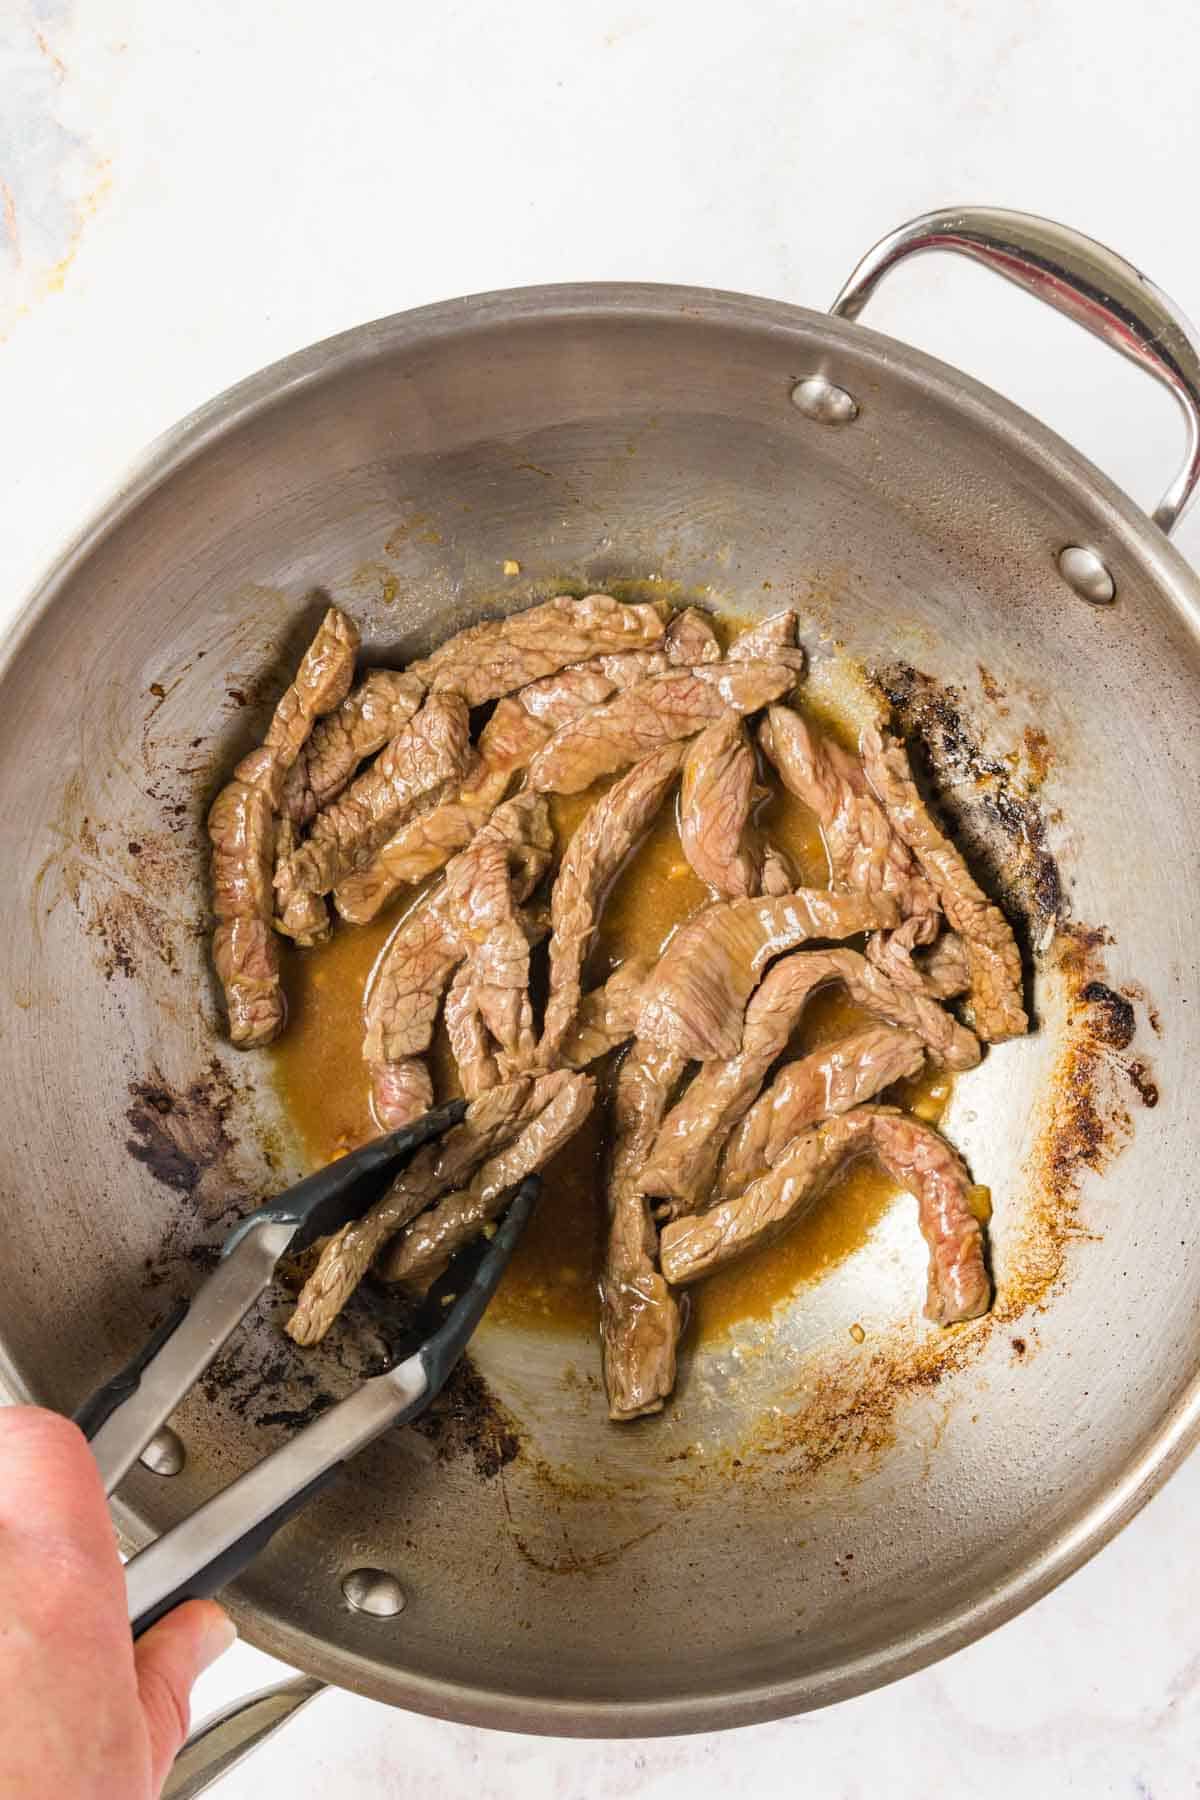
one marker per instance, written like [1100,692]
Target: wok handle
[1078,277]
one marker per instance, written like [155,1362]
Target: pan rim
[1104,507]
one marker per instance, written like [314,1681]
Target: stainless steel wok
[815,1516]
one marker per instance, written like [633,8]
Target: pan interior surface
[813,1515]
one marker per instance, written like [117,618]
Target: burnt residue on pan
[990,802]
[467,1420]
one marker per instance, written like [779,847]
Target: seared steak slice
[305,919]
[778,876]
[556,698]
[639,1318]
[420,848]
[915,1155]
[658,711]
[866,854]
[432,750]
[690,639]
[716,795]
[606,1017]
[367,718]
[403,999]
[402,1004]
[486,661]
[595,853]
[427,842]
[950,1209]
[695,999]
[400,1092]
[470,1042]
[772,641]
[682,1163]
[246,956]
[831,1080]
[322,682]
[241,828]
[628,667]
[942,971]
[993,960]
[423,1250]
[483,911]
[436,1169]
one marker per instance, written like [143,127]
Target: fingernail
[220,1633]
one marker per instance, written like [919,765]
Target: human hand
[85,1713]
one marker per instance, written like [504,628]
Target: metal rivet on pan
[819,399]
[1083,570]
[373,1591]
[164,1453]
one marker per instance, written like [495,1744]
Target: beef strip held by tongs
[208,1549]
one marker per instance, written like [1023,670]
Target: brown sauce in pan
[552,1280]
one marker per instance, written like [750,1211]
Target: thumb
[167,1660]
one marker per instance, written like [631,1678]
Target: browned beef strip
[915,1155]
[486,661]
[305,918]
[422,1251]
[866,855]
[994,962]
[402,1003]
[682,1164]
[556,698]
[241,829]
[427,842]
[246,956]
[941,971]
[430,752]
[661,710]
[607,1017]
[437,1169]
[949,1211]
[484,915]
[690,639]
[831,1080]
[628,667]
[400,1092]
[470,1042]
[716,795]
[778,876]
[428,946]
[695,1000]
[639,1317]
[772,641]
[369,716]
[597,849]
[321,682]
[422,846]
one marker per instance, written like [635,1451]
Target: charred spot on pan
[180,1134]
[466,1419]
[988,804]
[1113,1019]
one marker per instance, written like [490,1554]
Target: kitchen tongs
[209,1548]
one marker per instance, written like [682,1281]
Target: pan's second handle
[222,1742]
[1077,276]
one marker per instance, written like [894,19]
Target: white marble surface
[189,192]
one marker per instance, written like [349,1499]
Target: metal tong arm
[207,1550]
[122,1416]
